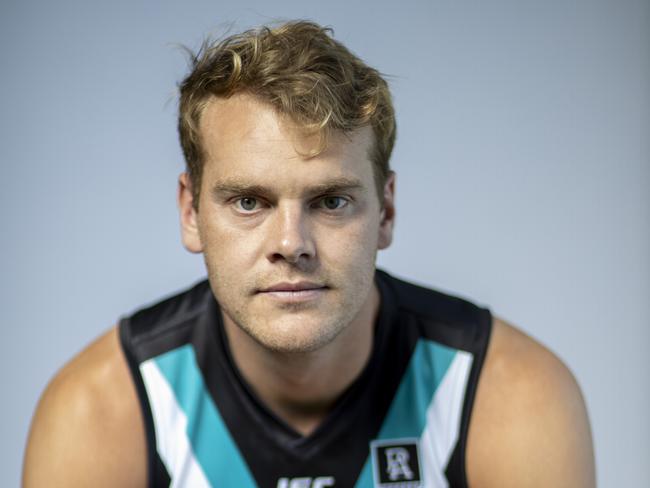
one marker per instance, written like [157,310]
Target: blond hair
[302,72]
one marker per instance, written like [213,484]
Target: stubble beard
[341,306]
[292,328]
[295,329]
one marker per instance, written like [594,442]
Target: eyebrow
[334,185]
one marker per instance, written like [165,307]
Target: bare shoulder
[529,425]
[87,429]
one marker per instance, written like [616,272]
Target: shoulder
[529,425]
[87,429]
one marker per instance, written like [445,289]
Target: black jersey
[402,423]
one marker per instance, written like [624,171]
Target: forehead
[245,138]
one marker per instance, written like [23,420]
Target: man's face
[289,242]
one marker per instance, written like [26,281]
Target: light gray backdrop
[522,160]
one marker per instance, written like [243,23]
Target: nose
[290,237]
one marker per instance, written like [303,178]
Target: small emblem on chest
[396,463]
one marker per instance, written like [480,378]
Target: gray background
[523,178]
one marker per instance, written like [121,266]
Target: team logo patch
[396,463]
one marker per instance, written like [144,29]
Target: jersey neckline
[345,409]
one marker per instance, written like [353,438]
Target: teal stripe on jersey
[407,414]
[211,441]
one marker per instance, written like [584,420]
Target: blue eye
[247,203]
[333,202]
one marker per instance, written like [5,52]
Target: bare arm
[530,426]
[87,429]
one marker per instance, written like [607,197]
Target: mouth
[294,292]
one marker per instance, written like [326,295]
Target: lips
[299,286]
[292,293]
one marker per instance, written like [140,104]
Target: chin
[295,338]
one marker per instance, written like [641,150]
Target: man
[297,364]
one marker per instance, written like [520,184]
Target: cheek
[228,251]
[219,238]
[354,245]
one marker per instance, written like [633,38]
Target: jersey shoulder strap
[154,330]
[446,319]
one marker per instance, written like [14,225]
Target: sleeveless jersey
[402,423]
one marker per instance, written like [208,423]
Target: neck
[301,387]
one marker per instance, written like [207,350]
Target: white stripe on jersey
[442,427]
[170,422]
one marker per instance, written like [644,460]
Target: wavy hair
[302,72]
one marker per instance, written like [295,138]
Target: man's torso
[403,422]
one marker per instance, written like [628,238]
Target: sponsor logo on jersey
[396,463]
[320,482]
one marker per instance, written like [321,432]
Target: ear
[387,213]
[188,214]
